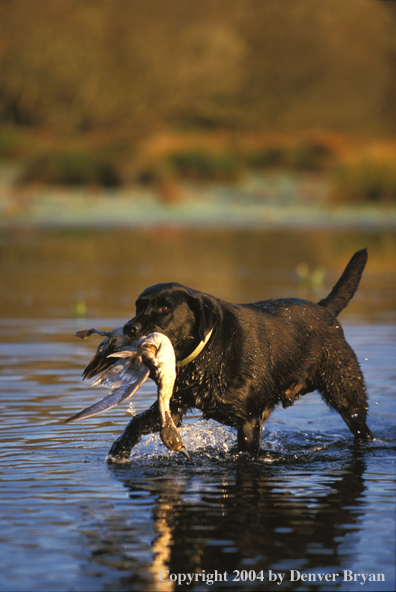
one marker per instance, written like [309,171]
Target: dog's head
[184,315]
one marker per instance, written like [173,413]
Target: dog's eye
[164,308]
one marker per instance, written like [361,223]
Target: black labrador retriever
[237,362]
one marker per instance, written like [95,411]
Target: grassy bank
[357,172]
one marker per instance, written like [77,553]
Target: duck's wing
[123,378]
[114,341]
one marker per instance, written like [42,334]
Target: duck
[153,356]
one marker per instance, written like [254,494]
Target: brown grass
[358,171]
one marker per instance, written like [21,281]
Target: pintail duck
[137,360]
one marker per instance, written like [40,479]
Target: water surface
[313,502]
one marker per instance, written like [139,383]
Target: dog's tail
[347,285]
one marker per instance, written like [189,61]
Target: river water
[311,513]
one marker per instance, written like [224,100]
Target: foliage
[357,172]
[199,164]
[11,142]
[304,155]
[83,64]
[369,177]
[71,168]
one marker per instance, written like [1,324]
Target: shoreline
[83,208]
[278,200]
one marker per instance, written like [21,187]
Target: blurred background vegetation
[113,92]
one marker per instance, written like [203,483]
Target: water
[312,506]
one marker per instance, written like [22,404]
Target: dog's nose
[131,329]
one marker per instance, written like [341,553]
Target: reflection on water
[312,502]
[241,515]
[44,274]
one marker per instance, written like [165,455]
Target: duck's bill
[114,399]
[185,453]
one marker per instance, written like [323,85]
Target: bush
[11,143]
[203,165]
[366,179]
[309,157]
[71,168]
[266,158]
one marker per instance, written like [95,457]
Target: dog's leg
[354,414]
[144,423]
[249,434]
[342,386]
[147,422]
[249,437]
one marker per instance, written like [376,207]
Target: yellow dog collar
[196,351]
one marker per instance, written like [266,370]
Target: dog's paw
[119,452]
[110,459]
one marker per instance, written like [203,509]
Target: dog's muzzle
[132,329]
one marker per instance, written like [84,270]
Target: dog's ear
[206,310]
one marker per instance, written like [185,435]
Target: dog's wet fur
[258,355]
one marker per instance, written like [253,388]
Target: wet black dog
[237,362]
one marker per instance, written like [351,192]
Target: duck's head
[171,438]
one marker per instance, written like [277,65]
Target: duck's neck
[169,432]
